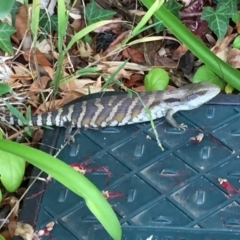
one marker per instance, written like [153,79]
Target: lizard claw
[69,139]
[182,126]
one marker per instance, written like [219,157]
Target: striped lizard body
[118,110]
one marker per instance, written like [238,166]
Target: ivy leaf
[5,6]
[173,7]
[94,13]
[48,23]
[229,5]
[5,32]
[218,20]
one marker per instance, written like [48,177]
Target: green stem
[222,69]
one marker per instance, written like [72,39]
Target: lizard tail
[48,119]
[10,119]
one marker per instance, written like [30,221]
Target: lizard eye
[195,95]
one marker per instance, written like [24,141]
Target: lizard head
[200,93]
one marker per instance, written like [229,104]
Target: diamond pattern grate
[174,194]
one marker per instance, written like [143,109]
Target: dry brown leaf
[131,66]
[82,86]
[21,22]
[229,30]
[15,84]
[119,38]
[210,39]
[149,49]
[23,230]
[221,45]
[41,58]
[33,99]
[133,79]
[78,23]
[137,12]
[114,25]
[223,54]
[134,54]
[22,77]
[49,70]
[20,69]
[36,86]
[20,191]
[180,51]
[140,89]
[21,73]
[68,86]
[14,203]
[85,49]
[112,46]
[98,83]
[238,27]
[45,46]
[75,13]
[37,136]
[121,74]
[234,57]
[51,105]
[165,62]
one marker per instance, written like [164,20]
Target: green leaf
[205,74]
[34,22]
[236,42]
[2,238]
[5,32]
[156,79]
[4,88]
[229,5]
[229,89]
[0,201]
[5,7]
[218,20]
[236,17]
[11,171]
[14,10]
[73,180]
[88,39]
[48,23]
[62,21]
[173,7]
[14,111]
[94,13]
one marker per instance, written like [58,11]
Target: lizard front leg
[173,122]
